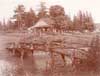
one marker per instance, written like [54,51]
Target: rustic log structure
[22,49]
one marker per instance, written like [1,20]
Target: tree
[1,26]
[75,23]
[94,53]
[24,19]
[89,22]
[83,21]
[61,21]
[42,11]
[30,18]
[10,25]
[19,16]
[56,10]
[4,25]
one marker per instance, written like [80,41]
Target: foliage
[30,18]
[42,11]
[23,18]
[61,21]
[56,10]
[83,21]
[93,54]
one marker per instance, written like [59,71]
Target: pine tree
[83,21]
[30,18]
[89,22]
[10,24]
[75,24]
[42,11]
[19,16]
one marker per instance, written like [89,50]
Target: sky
[71,7]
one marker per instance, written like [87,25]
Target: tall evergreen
[42,12]
[30,18]
[19,16]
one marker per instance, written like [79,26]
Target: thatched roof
[41,23]
[44,22]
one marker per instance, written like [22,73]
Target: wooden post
[52,58]
[63,57]
[13,51]
[22,54]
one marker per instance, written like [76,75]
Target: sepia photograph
[49,38]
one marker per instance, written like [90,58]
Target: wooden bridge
[57,46]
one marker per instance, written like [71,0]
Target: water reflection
[5,68]
[41,60]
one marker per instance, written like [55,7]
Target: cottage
[43,25]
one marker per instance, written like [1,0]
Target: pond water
[31,66]
[12,66]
